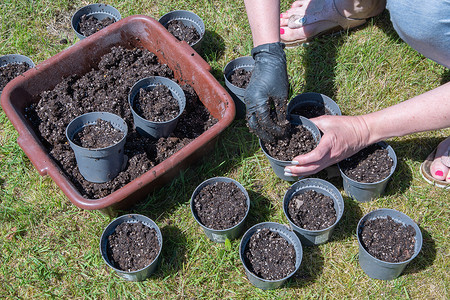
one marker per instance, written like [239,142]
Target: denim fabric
[424,25]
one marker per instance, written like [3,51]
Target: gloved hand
[268,86]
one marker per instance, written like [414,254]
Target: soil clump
[11,71]
[157,104]
[89,25]
[182,32]
[240,78]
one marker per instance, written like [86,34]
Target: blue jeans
[424,25]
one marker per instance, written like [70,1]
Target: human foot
[436,168]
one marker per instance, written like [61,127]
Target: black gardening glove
[268,86]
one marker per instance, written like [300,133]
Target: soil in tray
[311,210]
[11,71]
[311,110]
[388,240]
[269,256]
[182,32]
[240,78]
[99,135]
[220,205]
[369,165]
[157,104]
[132,246]
[89,25]
[298,140]
[106,88]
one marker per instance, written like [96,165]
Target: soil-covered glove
[268,87]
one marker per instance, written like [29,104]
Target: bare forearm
[264,19]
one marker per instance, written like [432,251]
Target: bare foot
[440,166]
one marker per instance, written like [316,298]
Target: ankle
[359,9]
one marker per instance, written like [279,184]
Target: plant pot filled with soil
[156,104]
[220,206]
[301,137]
[98,141]
[185,26]
[366,174]
[11,66]
[270,254]
[93,18]
[131,245]
[313,208]
[237,74]
[388,241]
[311,105]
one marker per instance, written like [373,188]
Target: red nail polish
[439,173]
[281,30]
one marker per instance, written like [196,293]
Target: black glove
[268,86]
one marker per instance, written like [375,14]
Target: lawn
[50,247]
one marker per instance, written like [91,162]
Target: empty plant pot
[287,235]
[98,11]
[279,165]
[149,249]
[320,236]
[98,164]
[151,128]
[16,59]
[313,105]
[220,205]
[367,191]
[244,64]
[189,19]
[377,268]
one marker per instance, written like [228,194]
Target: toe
[438,169]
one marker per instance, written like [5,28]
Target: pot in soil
[270,254]
[185,26]
[11,66]
[388,241]
[98,140]
[306,135]
[366,174]
[131,246]
[313,208]
[237,74]
[92,18]
[310,105]
[220,206]
[161,100]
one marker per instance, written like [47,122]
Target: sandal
[426,174]
[327,20]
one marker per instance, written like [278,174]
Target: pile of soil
[388,240]
[298,140]
[369,165]
[182,32]
[132,246]
[89,25]
[310,110]
[99,135]
[106,88]
[240,78]
[11,71]
[157,104]
[312,210]
[269,256]
[220,205]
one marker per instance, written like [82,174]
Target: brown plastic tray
[133,31]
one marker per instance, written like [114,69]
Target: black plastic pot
[316,99]
[15,59]
[99,11]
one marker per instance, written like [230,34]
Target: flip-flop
[426,174]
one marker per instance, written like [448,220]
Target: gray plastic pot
[216,235]
[287,234]
[237,94]
[279,165]
[189,19]
[379,269]
[102,164]
[15,59]
[138,275]
[314,237]
[365,192]
[98,10]
[150,128]
[317,99]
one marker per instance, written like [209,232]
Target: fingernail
[286,170]
[439,173]
[281,30]
[294,162]
[287,174]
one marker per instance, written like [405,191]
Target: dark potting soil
[269,256]
[10,71]
[240,78]
[106,88]
[132,246]
[312,210]
[298,140]
[371,164]
[99,135]
[311,110]
[220,205]
[157,104]
[182,32]
[388,240]
[89,25]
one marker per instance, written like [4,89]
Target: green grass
[50,248]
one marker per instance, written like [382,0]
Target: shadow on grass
[213,45]
[349,221]
[426,256]
[173,252]
[260,209]
[310,269]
